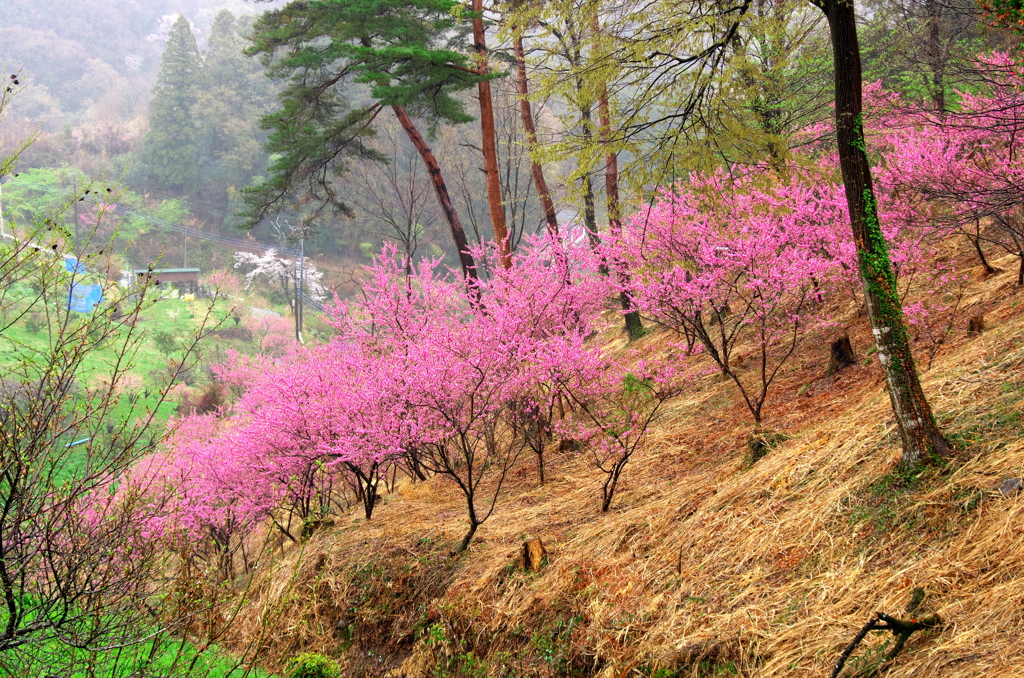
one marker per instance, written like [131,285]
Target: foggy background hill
[95,60]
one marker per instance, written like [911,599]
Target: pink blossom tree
[723,261]
[212,492]
[616,401]
[968,164]
[468,363]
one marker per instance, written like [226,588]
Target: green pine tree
[171,148]
[235,97]
[346,61]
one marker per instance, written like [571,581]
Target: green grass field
[167,318]
[162,656]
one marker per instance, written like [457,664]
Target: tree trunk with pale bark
[526,113]
[634,327]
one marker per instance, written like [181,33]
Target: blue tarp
[74,265]
[84,298]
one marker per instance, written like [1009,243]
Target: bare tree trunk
[443,199]
[536,171]
[935,58]
[918,431]
[634,328]
[976,241]
[589,211]
[488,141]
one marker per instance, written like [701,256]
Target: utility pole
[298,286]
[74,202]
[3,233]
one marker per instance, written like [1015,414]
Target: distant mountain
[90,60]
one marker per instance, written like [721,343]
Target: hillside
[707,565]
[88,60]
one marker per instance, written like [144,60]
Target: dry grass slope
[706,565]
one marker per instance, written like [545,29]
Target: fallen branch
[902,630]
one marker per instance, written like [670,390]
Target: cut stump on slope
[840,355]
[532,558]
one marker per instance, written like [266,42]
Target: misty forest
[507,339]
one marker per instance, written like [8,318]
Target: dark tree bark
[919,433]
[488,142]
[900,629]
[976,241]
[368,482]
[936,58]
[589,210]
[634,327]
[536,171]
[441,190]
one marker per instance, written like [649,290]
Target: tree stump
[975,326]
[841,355]
[569,445]
[533,555]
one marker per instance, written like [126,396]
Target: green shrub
[35,322]
[313,665]
[166,341]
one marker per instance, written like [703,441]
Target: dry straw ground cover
[706,565]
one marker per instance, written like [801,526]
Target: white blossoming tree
[280,271]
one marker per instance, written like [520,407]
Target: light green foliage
[690,85]
[36,193]
[174,210]
[926,50]
[41,193]
[166,341]
[631,384]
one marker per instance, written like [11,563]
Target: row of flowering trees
[424,377]
[429,376]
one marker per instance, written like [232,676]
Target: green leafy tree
[171,148]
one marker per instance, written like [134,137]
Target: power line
[309,301]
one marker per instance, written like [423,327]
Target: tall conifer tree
[171,148]
[235,96]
